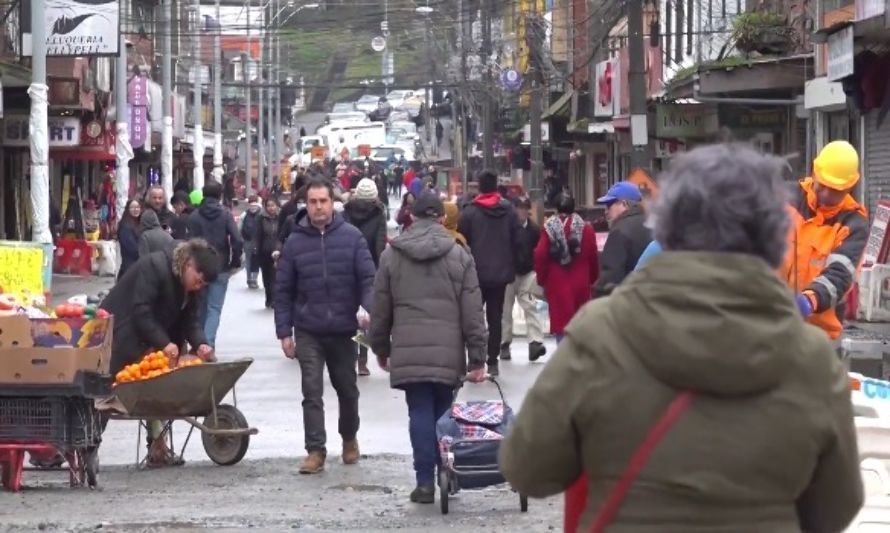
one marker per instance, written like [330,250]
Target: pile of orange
[151,366]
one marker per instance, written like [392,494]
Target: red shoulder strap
[639,459]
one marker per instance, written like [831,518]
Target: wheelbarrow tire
[444,490]
[226,450]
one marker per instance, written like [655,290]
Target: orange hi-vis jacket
[826,245]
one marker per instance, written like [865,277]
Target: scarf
[562,248]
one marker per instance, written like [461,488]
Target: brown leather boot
[351,454]
[313,463]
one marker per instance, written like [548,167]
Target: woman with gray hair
[695,398]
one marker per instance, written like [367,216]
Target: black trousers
[493,298]
[267,269]
[314,352]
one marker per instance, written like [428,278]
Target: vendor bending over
[155,307]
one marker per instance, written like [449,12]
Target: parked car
[367,103]
[381,113]
[382,154]
[408,126]
[343,107]
[398,97]
[397,116]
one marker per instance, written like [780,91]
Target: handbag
[638,460]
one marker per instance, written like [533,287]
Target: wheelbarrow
[189,394]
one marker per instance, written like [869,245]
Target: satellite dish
[378,44]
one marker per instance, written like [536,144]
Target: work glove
[804,305]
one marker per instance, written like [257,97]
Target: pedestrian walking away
[566,262]
[179,226]
[324,272]
[523,288]
[250,220]
[268,248]
[152,238]
[767,383]
[628,235]
[427,328]
[214,223]
[491,228]
[365,212]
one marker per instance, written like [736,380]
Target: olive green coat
[768,443]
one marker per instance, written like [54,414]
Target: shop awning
[560,107]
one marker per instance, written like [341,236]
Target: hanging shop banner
[840,54]
[23,270]
[63,131]
[75,28]
[606,96]
[137,97]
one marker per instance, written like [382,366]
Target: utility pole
[487,87]
[167,101]
[217,100]
[123,150]
[639,133]
[198,137]
[39,140]
[279,135]
[536,109]
[248,141]
[464,42]
[270,123]
[261,121]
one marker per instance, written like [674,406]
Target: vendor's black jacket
[628,237]
[151,308]
[214,223]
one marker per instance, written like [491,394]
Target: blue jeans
[213,299]
[426,403]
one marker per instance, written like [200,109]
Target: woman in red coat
[566,263]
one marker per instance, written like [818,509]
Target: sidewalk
[65,286]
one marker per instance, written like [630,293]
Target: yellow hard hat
[837,166]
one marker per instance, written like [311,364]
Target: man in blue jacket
[324,273]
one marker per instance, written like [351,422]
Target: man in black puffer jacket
[628,236]
[325,272]
[491,228]
[214,223]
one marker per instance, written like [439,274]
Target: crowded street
[445,266]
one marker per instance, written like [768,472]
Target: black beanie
[488,181]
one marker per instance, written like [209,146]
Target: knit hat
[366,190]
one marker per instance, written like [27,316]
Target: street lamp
[275,62]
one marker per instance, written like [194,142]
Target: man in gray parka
[427,327]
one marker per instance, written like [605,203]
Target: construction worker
[829,233]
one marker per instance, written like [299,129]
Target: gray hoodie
[427,316]
[153,237]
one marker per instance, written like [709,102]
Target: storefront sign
[63,131]
[840,54]
[680,121]
[75,28]
[866,9]
[22,266]
[606,103]
[753,119]
[666,149]
[137,96]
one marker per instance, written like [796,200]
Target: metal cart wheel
[226,450]
[444,490]
[523,503]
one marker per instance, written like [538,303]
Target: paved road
[269,393]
